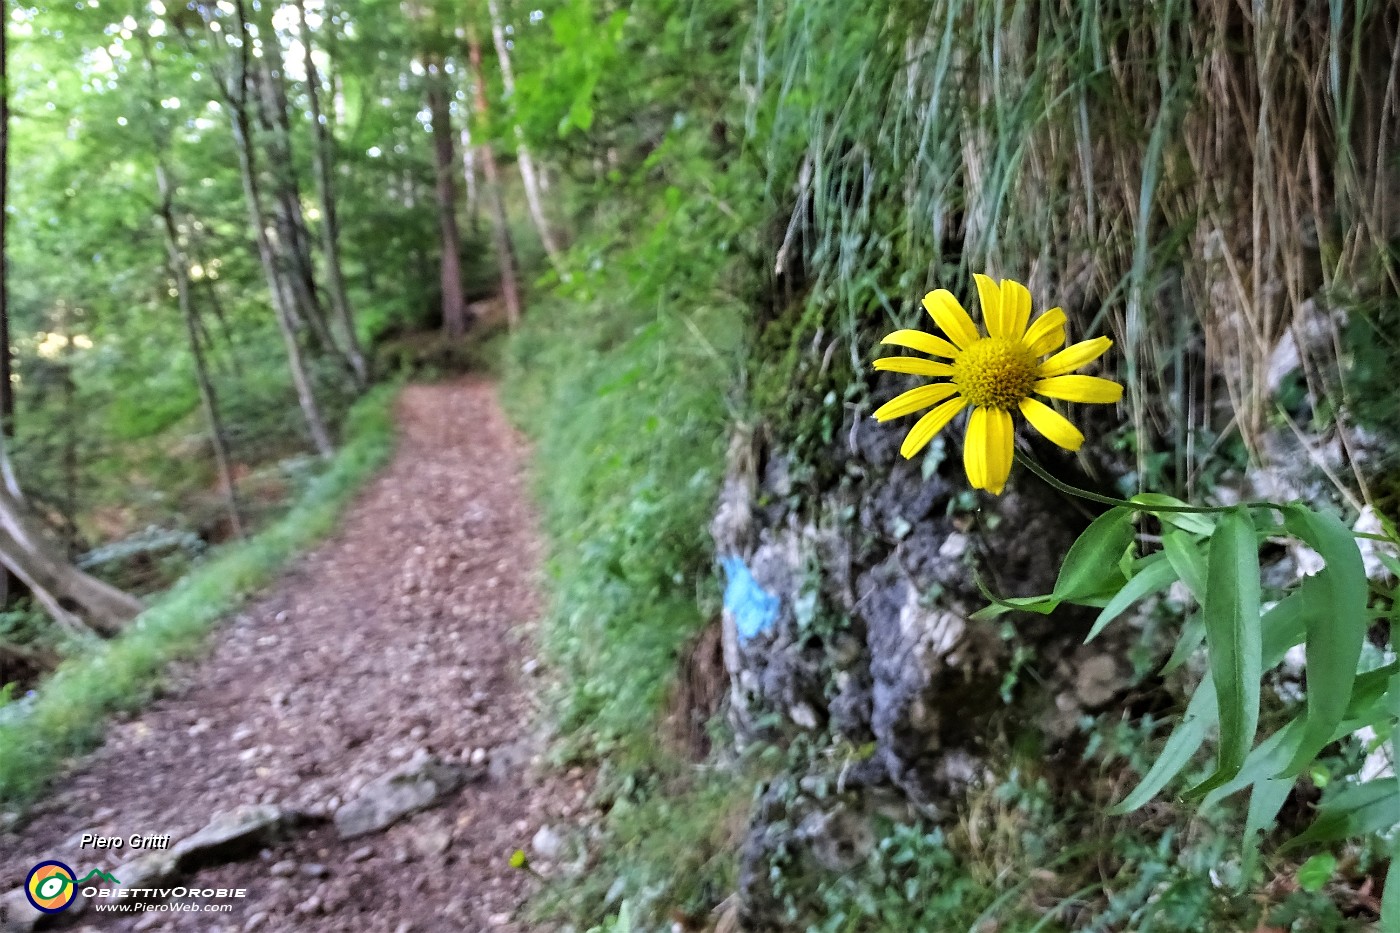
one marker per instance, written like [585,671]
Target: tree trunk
[495,200]
[236,97]
[454,303]
[469,176]
[523,160]
[7,389]
[294,256]
[179,267]
[62,589]
[330,224]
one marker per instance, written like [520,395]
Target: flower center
[995,372]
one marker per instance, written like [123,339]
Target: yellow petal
[975,448]
[1051,423]
[989,296]
[929,425]
[913,365]
[1047,333]
[915,400]
[1090,389]
[952,318]
[924,343]
[1000,441]
[1071,358]
[1015,308]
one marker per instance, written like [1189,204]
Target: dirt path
[409,631]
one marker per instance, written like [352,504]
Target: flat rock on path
[407,635]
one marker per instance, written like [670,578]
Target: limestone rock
[229,835]
[147,870]
[421,783]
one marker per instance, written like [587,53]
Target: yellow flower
[994,374]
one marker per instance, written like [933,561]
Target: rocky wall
[848,620]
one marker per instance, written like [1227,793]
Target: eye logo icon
[51,887]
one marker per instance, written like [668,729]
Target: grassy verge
[67,715]
[622,380]
[606,394]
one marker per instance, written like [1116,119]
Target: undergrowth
[67,714]
[626,506]
[623,380]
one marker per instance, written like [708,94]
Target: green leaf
[1282,628]
[1390,900]
[1197,523]
[1177,753]
[1336,627]
[1317,871]
[1043,605]
[1231,614]
[1268,798]
[1193,632]
[1086,570]
[1355,810]
[1155,574]
[1263,763]
[1188,557]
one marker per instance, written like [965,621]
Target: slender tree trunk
[179,267]
[7,389]
[7,470]
[495,199]
[523,160]
[295,263]
[70,456]
[236,96]
[469,176]
[330,224]
[454,302]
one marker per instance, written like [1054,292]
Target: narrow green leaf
[1283,624]
[1189,558]
[1193,632]
[1355,810]
[1268,798]
[1263,763]
[1390,900]
[1089,568]
[1001,605]
[1155,574]
[1231,613]
[1197,523]
[1336,627]
[1317,871]
[1200,717]
[1282,629]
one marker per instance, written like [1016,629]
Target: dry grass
[1192,177]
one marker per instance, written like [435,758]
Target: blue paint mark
[754,608]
